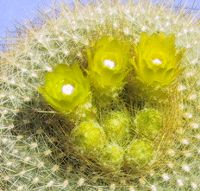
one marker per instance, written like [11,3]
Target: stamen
[109,63]
[68,89]
[157,61]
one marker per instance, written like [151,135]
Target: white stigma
[109,63]
[68,89]
[157,61]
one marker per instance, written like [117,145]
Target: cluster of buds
[115,143]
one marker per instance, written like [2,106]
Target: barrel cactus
[102,96]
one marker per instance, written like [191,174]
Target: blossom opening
[67,89]
[157,61]
[109,63]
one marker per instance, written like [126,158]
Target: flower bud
[89,137]
[117,127]
[139,153]
[148,122]
[112,156]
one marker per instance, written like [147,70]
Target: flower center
[68,89]
[157,61]
[109,63]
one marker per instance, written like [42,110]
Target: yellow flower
[157,59]
[65,88]
[108,63]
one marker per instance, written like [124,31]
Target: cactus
[39,148]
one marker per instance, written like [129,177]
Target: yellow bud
[139,153]
[89,137]
[112,157]
[117,127]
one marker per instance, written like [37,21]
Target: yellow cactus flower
[157,59]
[65,88]
[108,63]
